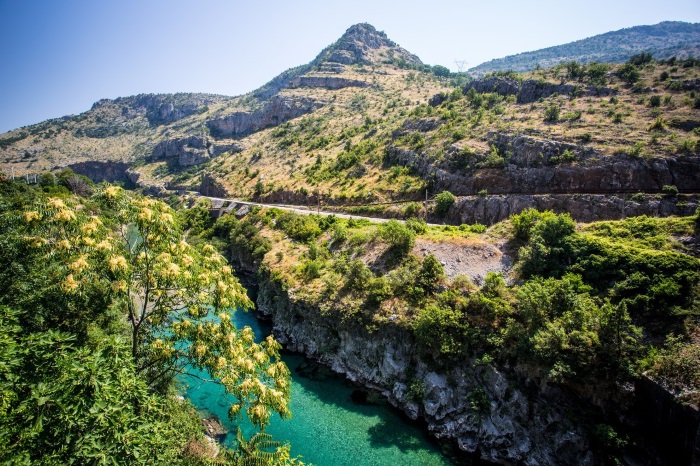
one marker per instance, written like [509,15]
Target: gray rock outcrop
[276,111]
[488,210]
[162,108]
[191,150]
[537,166]
[210,186]
[532,90]
[326,82]
[102,171]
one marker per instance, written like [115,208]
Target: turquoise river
[327,428]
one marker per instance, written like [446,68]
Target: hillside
[663,40]
[366,124]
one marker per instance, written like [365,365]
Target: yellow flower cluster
[56,203]
[104,245]
[70,284]
[79,264]
[35,241]
[117,263]
[146,215]
[91,227]
[119,285]
[63,244]
[65,215]
[31,215]
[113,191]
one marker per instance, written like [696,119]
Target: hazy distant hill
[663,40]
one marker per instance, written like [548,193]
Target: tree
[443,202]
[431,274]
[442,71]
[64,404]
[400,237]
[177,297]
[629,73]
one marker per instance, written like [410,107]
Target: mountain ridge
[618,46]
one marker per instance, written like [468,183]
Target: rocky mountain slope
[663,40]
[367,124]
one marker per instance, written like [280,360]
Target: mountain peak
[361,44]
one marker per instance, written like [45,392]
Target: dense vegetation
[102,303]
[607,301]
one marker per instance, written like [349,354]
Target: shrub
[659,124]
[358,275]
[439,331]
[411,209]
[431,274]
[551,113]
[525,220]
[629,73]
[655,101]
[418,225]
[398,235]
[640,59]
[311,269]
[299,227]
[493,159]
[669,190]
[339,234]
[443,202]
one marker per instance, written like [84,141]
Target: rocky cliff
[528,165]
[275,112]
[192,150]
[491,209]
[531,90]
[499,412]
[524,420]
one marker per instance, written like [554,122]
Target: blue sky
[61,56]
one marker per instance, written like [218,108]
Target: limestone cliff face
[537,166]
[102,171]
[525,422]
[192,150]
[326,82]
[162,108]
[275,112]
[582,207]
[531,90]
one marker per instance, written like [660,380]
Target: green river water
[327,428]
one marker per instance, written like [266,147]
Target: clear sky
[60,56]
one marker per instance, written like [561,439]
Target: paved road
[217,202]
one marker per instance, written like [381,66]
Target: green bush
[443,202]
[358,275]
[418,225]
[399,236]
[431,274]
[525,220]
[551,113]
[440,331]
[299,227]
[629,73]
[669,190]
